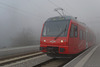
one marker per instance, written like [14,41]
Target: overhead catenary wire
[39,6]
[63,12]
[58,8]
[66,8]
[12,7]
[18,9]
[31,5]
[54,4]
[66,3]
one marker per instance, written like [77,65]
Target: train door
[86,38]
[73,37]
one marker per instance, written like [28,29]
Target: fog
[22,20]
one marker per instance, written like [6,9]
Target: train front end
[54,36]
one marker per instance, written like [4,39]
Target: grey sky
[16,15]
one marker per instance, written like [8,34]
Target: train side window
[83,35]
[88,36]
[80,35]
[72,31]
[76,30]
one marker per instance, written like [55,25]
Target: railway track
[37,59]
[55,62]
[60,62]
[17,51]
[19,58]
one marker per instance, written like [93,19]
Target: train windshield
[54,28]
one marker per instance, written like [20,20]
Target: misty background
[21,20]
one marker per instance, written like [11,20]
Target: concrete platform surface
[94,60]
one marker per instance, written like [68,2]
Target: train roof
[61,18]
[58,18]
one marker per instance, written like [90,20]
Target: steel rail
[7,61]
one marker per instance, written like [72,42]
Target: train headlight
[61,41]
[44,40]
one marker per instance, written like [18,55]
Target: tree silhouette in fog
[24,38]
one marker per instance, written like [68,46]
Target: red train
[65,36]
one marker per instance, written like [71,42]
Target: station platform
[90,58]
[94,59]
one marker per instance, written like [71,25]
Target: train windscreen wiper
[60,33]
